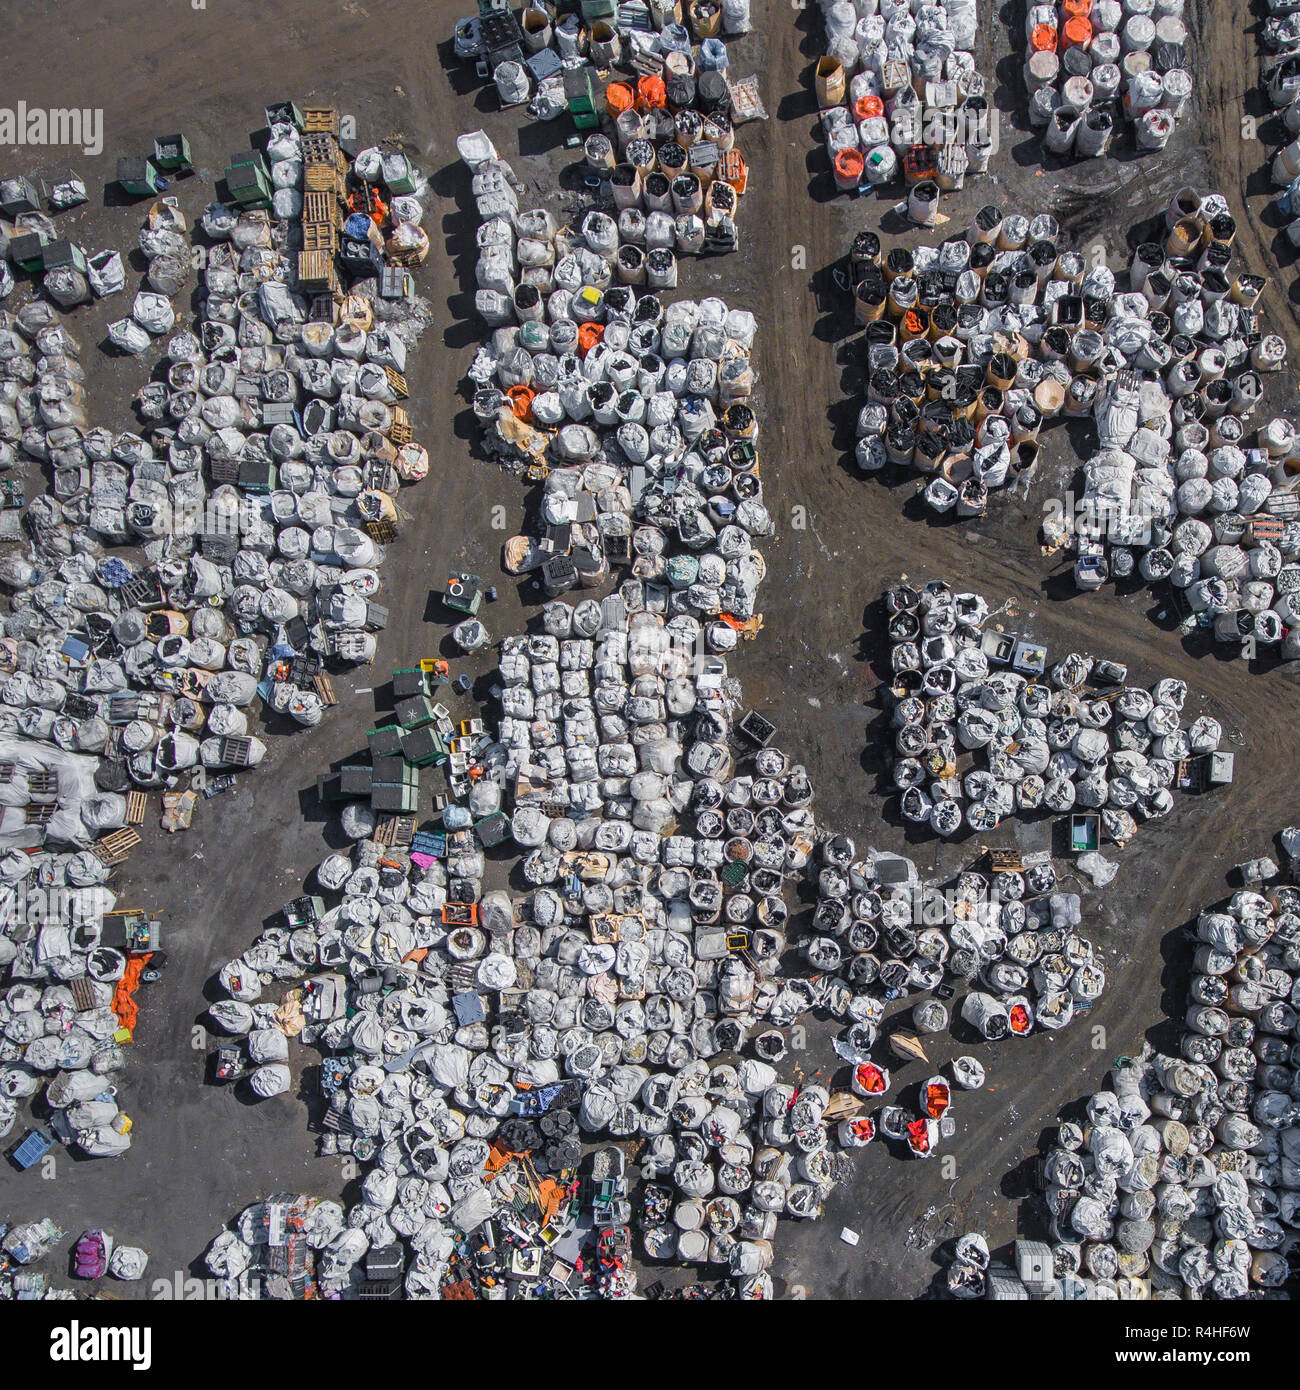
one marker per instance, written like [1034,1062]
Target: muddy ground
[156,66]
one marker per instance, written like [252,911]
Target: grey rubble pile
[1125,60]
[1046,742]
[912,85]
[1183,1181]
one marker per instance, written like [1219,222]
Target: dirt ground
[156,66]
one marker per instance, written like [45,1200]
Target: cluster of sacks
[1011,938]
[736,1148]
[105,274]
[65,587]
[318,1259]
[302,472]
[676,178]
[635,411]
[954,391]
[615,721]
[598,712]
[164,243]
[570,291]
[65,285]
[1282,83]
[1183,1179]
[1049,743]
[614,974]
[899,92]
[1187,1175]
[662,35]
[1093,62]
[974,346]
[56,1042]
[96,1252]
[297,421]
[1170,372]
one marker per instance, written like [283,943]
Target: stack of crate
[248,179]
[395,786]
[324,166]
[322,220]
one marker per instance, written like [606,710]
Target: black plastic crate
[756,730]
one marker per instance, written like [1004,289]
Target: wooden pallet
[383,530]
[325,689]
[137,804]
[224,470]
[43,782]
[400,431]
[116,847]
[319,147]
[319,206]
[83,992]
[397,381]
[1005,861]
[322,178]
[320,120]
[320,236]
[235,750]
[1267,528]
[316,272]
[395,831]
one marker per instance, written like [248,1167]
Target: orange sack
[1077,32]
[651,93]
[124,1005]
[521,402]
[618,97]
